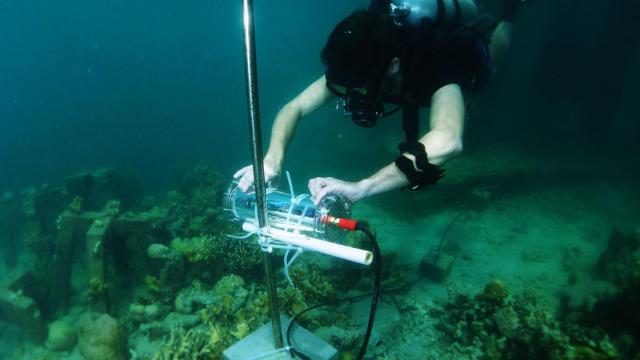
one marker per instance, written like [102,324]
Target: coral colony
[109,274]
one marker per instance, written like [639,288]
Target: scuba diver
[408,53]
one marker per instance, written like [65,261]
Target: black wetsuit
[435,58]
[434,55]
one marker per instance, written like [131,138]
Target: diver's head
[359,54]
[360,48]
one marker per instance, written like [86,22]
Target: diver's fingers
[246,181]
[316,184]
[329,188]
[312,186]
[269,174]
[241,171]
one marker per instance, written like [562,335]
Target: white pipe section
[308,243]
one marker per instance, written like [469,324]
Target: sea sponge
[495,291]
[136,311]
[232,285]
[314,284]
[153,284]
[194,297]
[507,321]
[158,251]
[152,312]
[103,339]
[61,337]
[195,249]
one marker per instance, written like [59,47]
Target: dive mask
[362,108]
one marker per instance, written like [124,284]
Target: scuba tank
[412,12]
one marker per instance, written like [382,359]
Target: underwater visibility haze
[122,124]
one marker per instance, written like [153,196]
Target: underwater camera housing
[289,213]
[296,223]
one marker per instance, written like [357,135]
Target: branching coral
[226,313]
[227,255]
[314,285]
[501,326]
[186,345]
[610,324]
[195,209]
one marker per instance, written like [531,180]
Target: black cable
[342,300]
[374,300]
[443,237]
[377,268]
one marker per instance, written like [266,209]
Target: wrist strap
[427,174]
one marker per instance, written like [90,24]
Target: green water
[126,121]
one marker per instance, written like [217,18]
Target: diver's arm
[442,142]
[284,126]
[500,41]
[501,37]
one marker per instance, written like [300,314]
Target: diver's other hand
[321,187]
[271,172]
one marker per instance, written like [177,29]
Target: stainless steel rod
[256,157]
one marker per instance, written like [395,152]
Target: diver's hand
[321,187]
[271,173]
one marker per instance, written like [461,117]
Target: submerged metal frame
[256,157]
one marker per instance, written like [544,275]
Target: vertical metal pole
[256,155]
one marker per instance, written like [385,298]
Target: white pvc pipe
[308,243]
